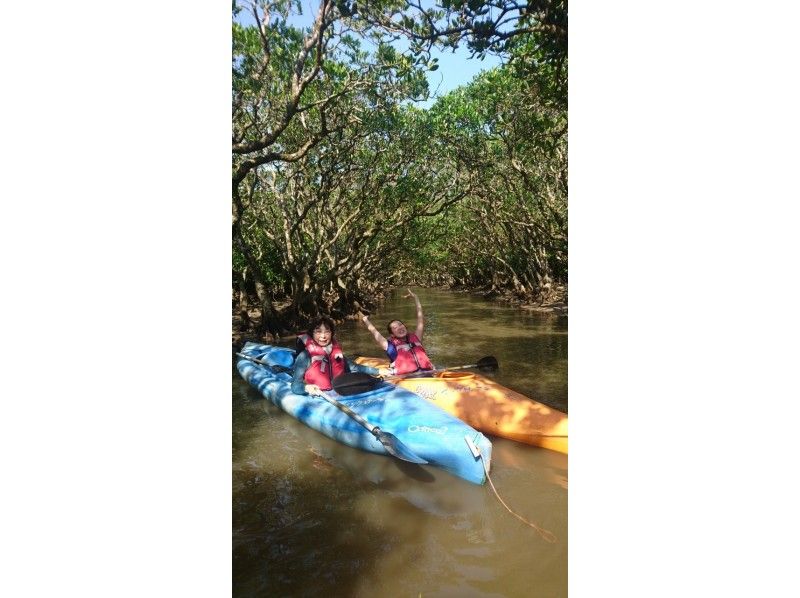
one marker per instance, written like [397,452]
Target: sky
[455,68]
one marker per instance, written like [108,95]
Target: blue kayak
[431,433]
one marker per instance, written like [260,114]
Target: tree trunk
[270,320]
[244,315]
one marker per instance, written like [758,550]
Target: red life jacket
[411,355]
[320,371]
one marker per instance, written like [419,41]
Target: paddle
[275,368]
[355,383]
[389,441]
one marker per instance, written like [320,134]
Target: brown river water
[312,517]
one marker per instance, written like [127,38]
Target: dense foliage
[341,186]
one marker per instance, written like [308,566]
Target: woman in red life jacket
[321,359]
[405,350]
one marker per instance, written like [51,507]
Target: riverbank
[555,303]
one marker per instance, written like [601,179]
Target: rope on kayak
[545,534]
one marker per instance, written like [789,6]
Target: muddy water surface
[312,517]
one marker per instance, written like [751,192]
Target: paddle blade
[396,448]
[354,383]
[390,442]
[487,364]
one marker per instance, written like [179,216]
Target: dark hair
[389,325]
[319,322]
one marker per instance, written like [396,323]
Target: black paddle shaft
[485,364]
[355,383]
[389,441]
[275,368]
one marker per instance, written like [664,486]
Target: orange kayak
[488,406]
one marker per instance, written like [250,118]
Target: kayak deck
[428,431]
[488,406]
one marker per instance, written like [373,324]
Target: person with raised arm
[405,350]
